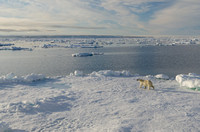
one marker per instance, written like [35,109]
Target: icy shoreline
[99,101]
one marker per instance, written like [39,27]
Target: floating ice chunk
[191,80]
[86,54]
[82,54]
[161,76]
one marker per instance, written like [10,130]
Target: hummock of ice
[77,73]
[108,73]
[191,80]
[11,77]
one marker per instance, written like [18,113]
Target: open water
[147,60]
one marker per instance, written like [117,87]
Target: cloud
[184,15]
[22,30]
[122,17]
[76,27]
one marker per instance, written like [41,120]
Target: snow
[191,80]
[161,76]
[100,101]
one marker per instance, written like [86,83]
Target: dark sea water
[147,60]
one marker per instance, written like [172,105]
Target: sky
[99,17]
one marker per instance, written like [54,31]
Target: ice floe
[82,54]
[86,54]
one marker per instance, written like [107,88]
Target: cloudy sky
[99,17]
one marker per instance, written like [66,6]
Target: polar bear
[145,83]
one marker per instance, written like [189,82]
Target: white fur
[145,83]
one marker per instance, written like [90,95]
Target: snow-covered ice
[191,80]
[100,101]
[11,78]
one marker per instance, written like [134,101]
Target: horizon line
[96,36]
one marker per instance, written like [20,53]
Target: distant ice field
[143,60]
